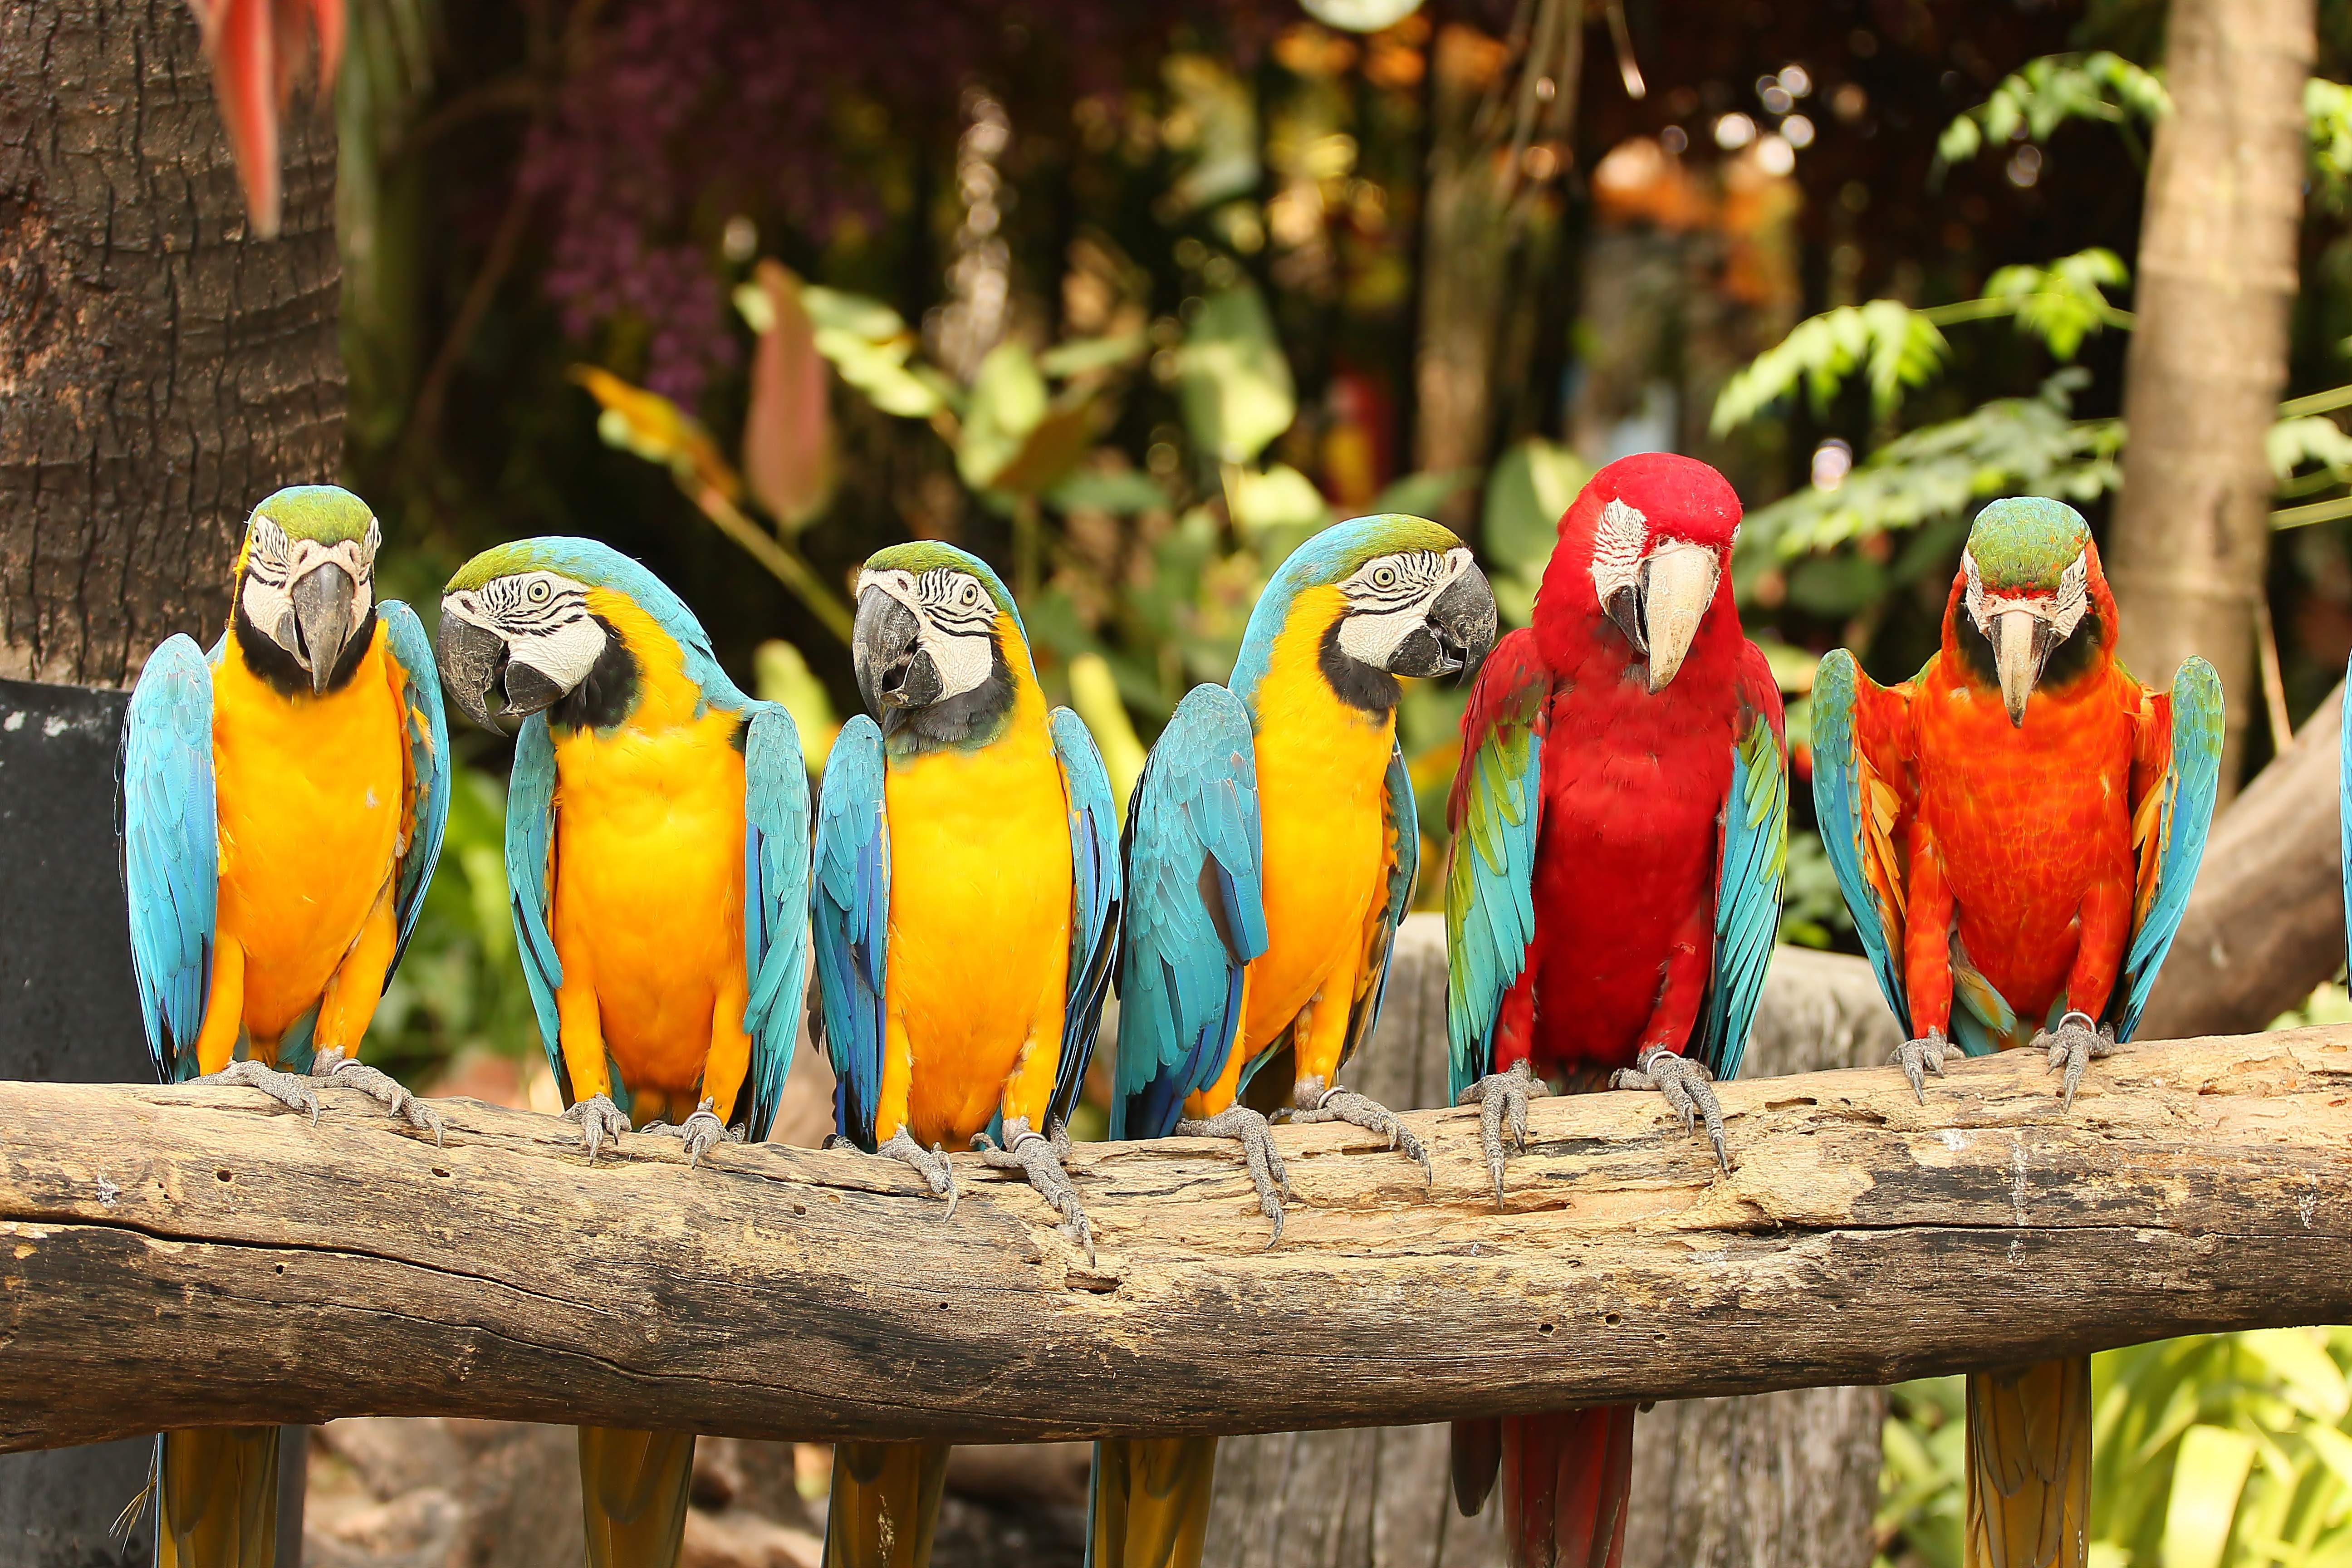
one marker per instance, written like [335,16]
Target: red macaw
[2015,831]
[254,47]
[1621,823]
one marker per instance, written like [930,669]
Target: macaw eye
[971,592]
[1384,577]
[540,592]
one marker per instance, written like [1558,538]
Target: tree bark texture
[178,1256]
[1774,1480]
[2208,361]
[2265,923]
[159,370]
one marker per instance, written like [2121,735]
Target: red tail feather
[1566,1482]
[256,47]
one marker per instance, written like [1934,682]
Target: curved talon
[598,1119]
[2076,1044]
[701,1132]
[1258,1153]
[334,1065]
[1685,1084]
[1363,1110]
[1502,1100]
[931,1164]
[1039,1157]
[1920,1056]
[284,1088]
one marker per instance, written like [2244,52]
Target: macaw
[1620,829]
[1271,847]
[657,832]
[282,805]
[254,47]
[965,901]
[2017,828]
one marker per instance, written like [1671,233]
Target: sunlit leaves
[2062,303]
[1281,497]
[1897,347]
[2044,93]
[2327,106]
[2312,439]
[869,345]
[653,427]
[1526,494]
[1213,128]
[1235,379]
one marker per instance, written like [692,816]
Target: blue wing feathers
[2185,817]
[531,881]
[776,905]
[849,908]
[1497,819]
[1095,886]
[427,729]
[1839,809]
[170,849]
[1747,893]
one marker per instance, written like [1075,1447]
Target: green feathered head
[2030,609]
[2025,544]
[918,556]
[305,588]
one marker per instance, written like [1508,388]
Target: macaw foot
[1247,1128]
[1039,1158]
[599,1118]
[701,1132]
[1502,1100]
[1923,1056]
[2075,1044]
[337,1069]
[1684,1084]
[287,1089]
[1316,1103]
[931,1164]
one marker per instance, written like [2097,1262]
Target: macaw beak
[474,668]
[1457,633]
[1677,584]
[2021,642]
[893,672]
[325,605]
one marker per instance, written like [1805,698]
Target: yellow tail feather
[2030,1467]
[633,1495]
[885,1503]
[1148,1504]
[219,1487]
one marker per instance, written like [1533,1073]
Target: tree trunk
[2208,359]
[162,370]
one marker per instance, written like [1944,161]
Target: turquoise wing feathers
[1839,773]
[1095,877]
[776,905]
[1403,829]
[2184,817]
[1497,815]
[170,849]
[1747,885]
[1195,912]
[850,909]
[426,728]
[530,882]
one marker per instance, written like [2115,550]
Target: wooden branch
[173,1256]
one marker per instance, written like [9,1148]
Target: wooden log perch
[184,1257]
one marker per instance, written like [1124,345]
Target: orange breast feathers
[2030,829]
[1322,771]
[313,795]
[980,928]
[648,891]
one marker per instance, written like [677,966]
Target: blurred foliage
[2031,103]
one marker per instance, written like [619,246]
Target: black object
[68,1015]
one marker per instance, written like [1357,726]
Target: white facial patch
[955,619]
[1389,598]
[1618,546]
[274,562]
[544,619]
[2062,611]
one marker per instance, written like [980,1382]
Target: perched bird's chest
[1626,869]
[649,880]
[312,799]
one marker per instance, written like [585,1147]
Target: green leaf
[1079,356]
[877,369]
[2314,438]
[1898,347]
[2060,303]
[1281,497]
[1122,492]
[1008,400]
[2207,1479]
[1213,129]
[852,314]
[1236,385]
[2044,93]
[1418,495]
[1528,492]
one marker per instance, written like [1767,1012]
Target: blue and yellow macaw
[1271,851]
[2016,831]
[283,800]
[965,903]
[657,832]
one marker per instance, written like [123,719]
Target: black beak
[324,598]
[893,672]
[474,669]
[1458,632]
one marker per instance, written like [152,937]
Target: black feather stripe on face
[609,695]
[281,670]
[1358,685]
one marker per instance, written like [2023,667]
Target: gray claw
[599,1118]
[2075,1044]
[1362,1110]
[1684,1083]
[1039,1157]
[1265,1162]
[284,1088]
[931,1164]
[1502,1100]
[701,1132]
[1920,1056]
[335,1067]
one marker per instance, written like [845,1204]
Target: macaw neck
[969,720]
[1298,710]
[279,669]
[640,677]
[1306,646]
